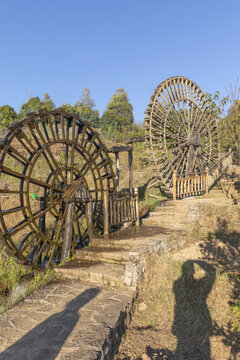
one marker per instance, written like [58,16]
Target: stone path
[65,320]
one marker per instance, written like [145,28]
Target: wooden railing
[119,209]
[219,168]
[191,185]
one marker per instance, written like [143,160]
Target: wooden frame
[116,150]
[120,208]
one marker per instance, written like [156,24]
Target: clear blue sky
[63,46]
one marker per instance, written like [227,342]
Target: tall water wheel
[43,160]
[180,130]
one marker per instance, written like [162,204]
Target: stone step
[166,210]
[214,195]
[94,273]
[167,223]
[103,254]
[178,215]
[115,244]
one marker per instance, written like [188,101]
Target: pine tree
[120,105]
[118,115]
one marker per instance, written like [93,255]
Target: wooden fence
[191,185]
[120,208]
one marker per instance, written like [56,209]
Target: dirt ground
[188,306]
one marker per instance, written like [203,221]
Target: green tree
[32,105]
[118,116]
[48,102]
[229,127]
[216,111]
[69,108]
[85,108]
[7,116]
[120,104]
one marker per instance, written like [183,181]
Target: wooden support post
[130,164]
[68,232]
[137,207]
[78,193]
[206,180]
[42,219]
[89,218]
[106,213]
[117,170]
[174,184]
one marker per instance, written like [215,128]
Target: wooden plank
[136,139]
[115,149]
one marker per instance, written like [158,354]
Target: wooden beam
[130,164]
[121,148]
[137,207]
[68,232]
[78,193]
[117,170]
[136,139]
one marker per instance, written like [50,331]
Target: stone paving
[66,320]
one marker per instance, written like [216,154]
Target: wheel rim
[180,130]
[41,157]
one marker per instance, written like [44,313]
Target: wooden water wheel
[43,159]
[180,130]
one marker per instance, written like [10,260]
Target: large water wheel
[180,130]
[43,159]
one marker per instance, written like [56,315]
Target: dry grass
[17,281]
[189,302]
[183,312]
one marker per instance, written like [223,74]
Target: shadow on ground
[192,321]
[222,249]
[46,340]
[192,325]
